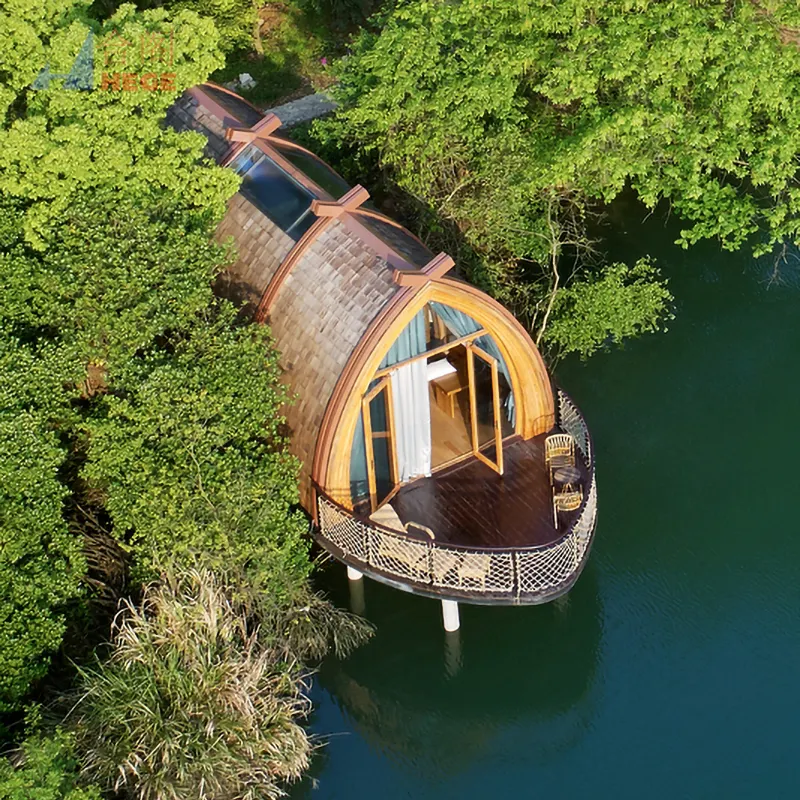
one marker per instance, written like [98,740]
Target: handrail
[532,573]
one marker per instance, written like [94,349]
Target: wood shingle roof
[326,304]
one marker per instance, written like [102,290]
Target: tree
[116,273]
[618,303]
[44,768]
[189,452]
[40,562]
[485,109]
[89,276]
[56,141]
[126,385]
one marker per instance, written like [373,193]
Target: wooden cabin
[437,456]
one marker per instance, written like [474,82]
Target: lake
[671,669]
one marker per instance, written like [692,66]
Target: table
[445,390]
[567,476]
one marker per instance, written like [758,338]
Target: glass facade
[316,169]
[274,192]
[234,105]
[435,326]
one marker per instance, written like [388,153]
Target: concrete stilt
[357,604]
[354,574]
[452,653]
[450,615]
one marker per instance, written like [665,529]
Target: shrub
[44,768]
[192,703]
[40,562]
[619,302]
[190,455]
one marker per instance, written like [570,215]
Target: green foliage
[618,303]
[89,276]
[44,768]
[190,453]
[484,110]
[695,102]
[192,703]
[123,384]
[288,54]
[56,141]
[234,19]
[40,562]
[115,274]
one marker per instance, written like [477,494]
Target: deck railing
[499,575]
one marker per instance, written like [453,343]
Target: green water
[671,669]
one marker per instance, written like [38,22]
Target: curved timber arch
[529,379]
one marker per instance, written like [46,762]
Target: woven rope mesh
[399,556]
[513,573]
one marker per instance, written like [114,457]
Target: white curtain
[412,413]
[412,420]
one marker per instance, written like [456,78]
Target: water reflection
[670,671]
[439,701]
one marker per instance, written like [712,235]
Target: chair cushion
[387,517]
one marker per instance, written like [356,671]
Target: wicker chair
[566,501]
[442,563]
[559,451]
[393,548]
[387,516]
[475,567]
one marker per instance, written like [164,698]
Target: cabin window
[274,192]
[442,392]
[316,169]
[399,239]
[243,111]
[460,324]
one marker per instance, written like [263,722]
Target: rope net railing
[515,574]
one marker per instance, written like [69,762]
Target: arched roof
[330,297]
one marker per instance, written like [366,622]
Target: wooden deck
[495,542]
[470,504]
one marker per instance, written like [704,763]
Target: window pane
[399,239]
[484,407]
[377,412]
[508,414]
[381,449]
[234,105]
[359,484]
[316,169]
[274,192]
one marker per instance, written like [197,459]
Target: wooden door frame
[474,350]
[384,384]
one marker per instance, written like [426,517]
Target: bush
[116,273]
[619,302]
[40,562]
[44,768]
[192,703]
[190,455]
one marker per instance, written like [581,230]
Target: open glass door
[484,399]
[376,408]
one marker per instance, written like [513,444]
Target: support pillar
[450,615]
[354,574]
[452,653]
[357,604]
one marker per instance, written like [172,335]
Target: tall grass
[194,701]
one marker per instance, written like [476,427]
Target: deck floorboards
[470,504]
